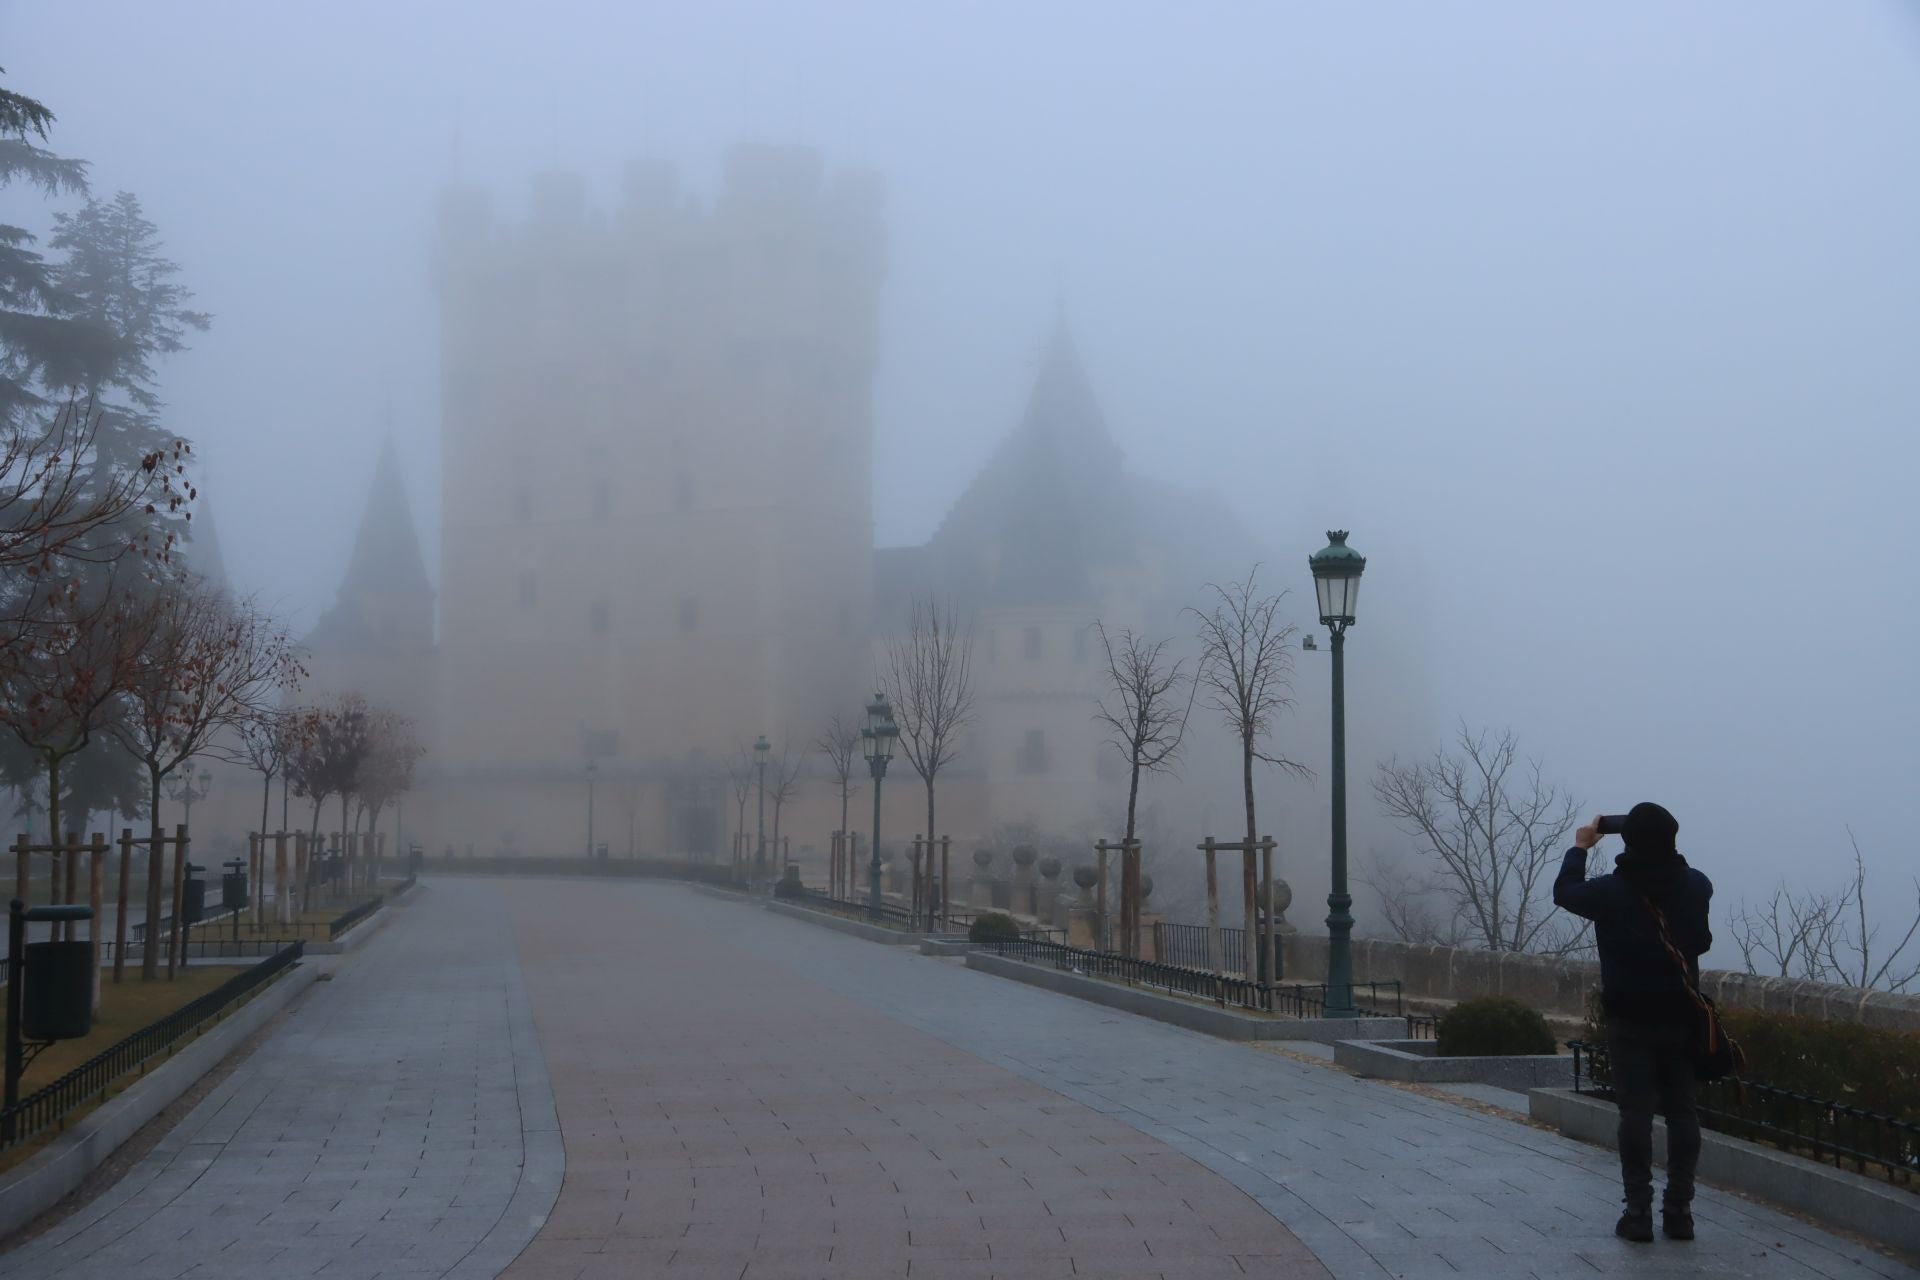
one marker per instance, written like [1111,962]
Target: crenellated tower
[656,487]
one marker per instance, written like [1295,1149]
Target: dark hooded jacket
[1638,980]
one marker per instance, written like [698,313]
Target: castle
[657,533]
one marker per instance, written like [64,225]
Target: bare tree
[63,680]
[1246,667]
[740,779]
[1146,719]
[1410,908]
[841,745]
[327,760]
[62,509]
[1493,829]
[267,740]
[786,784]
[386,769]
[205,667]
[1826,936]
[930,679]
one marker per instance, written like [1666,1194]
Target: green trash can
[56,1000]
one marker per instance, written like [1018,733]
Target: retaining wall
[1554,985]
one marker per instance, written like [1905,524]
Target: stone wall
[1559,986]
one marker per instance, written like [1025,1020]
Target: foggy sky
[1594,323]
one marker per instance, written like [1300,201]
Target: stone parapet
[1555,985]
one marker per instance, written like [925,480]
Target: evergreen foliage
[1494,1027]
[994,926]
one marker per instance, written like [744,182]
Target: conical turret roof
[1050,505]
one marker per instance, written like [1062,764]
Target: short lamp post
[761,750]
[184,792]
[592,771]
[878,740]
[1336,583]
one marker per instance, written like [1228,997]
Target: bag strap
[1673,952]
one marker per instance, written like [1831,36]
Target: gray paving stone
[341,1145]
[1342,1162]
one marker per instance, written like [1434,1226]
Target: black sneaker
[1635,1225]
[1677,1223]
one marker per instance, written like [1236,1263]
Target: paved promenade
[397,1124]
[747,1096]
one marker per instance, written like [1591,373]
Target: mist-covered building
[657,534]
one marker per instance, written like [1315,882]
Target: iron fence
[90,1081]
[1185,945]
[1836,1133]
[202,947]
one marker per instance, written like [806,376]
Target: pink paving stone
[725,1117]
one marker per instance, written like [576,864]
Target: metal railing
[1836,1133]
[90,1081]
[1185,945]
[347,919]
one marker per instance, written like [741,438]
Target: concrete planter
[1194,1015]
[1873,1208]
[1419,1062]
[846,924]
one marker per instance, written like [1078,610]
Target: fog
[1594,324]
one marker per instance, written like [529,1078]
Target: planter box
[846,924]
[1419,1062]
[1834,1196]
[1194,1015]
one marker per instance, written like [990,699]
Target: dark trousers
[1653,1070]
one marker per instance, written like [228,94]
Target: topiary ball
[994,926]
[1494,1027]
[1049,867]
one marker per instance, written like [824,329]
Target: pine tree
[41,345]
[115,277]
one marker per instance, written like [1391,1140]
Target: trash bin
[233,891]
[193,900]
[56,1000]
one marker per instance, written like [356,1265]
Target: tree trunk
[266,798]
[156,873]
[930,831]
[1130,872]
[53,799]
[1249,869]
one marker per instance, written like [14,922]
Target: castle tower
[657,528]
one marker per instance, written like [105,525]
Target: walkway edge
[1208,1019]
[1850,1200]
[43,1180]
[543,1162]
[858,928]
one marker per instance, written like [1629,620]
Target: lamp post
[1336,582]
[185,793]
[761,749]
[878,739]
[592,769]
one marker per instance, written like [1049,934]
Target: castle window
[689,614]
[523,501]
[682,492]
[599,618]
[1033,752]
[602,497]
[528,589]
[1030,644]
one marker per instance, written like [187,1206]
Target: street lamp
[877,740]
[761,749]
[592,769]
[185,793]
[1336,582]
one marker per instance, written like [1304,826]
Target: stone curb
[1206,1018]
[1417,1062]
[1872,1208]
[354,937]
[40,1183]
[858,928]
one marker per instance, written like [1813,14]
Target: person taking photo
[1650,926]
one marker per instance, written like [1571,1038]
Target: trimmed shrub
[1867,1067]
[994,926]
[1493,1027]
